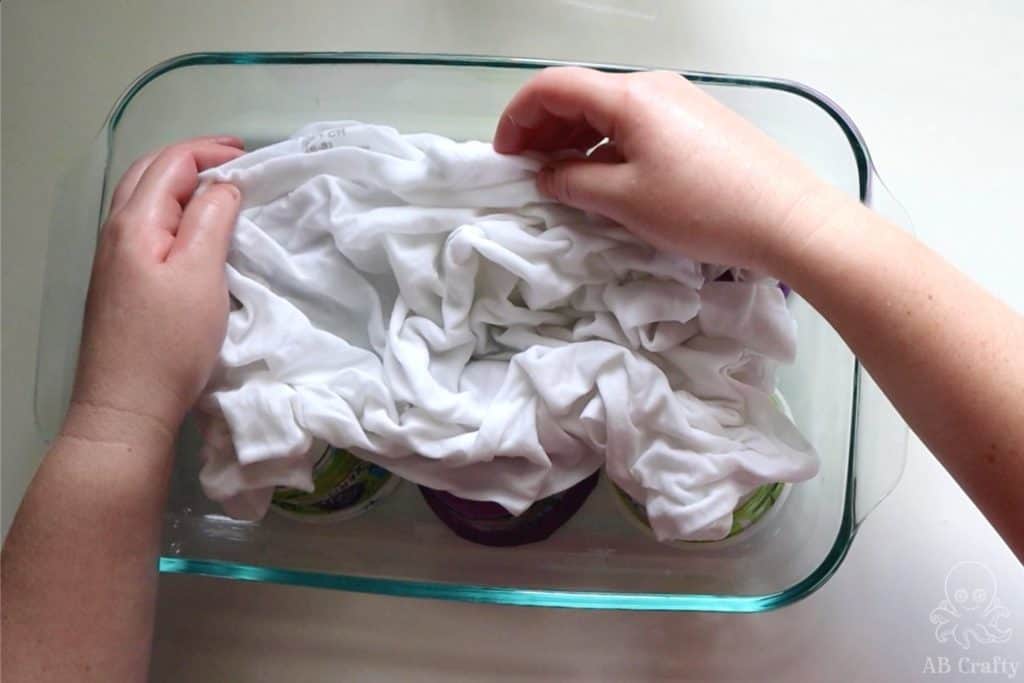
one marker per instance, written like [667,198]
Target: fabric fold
[415,300]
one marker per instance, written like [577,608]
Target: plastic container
[598,559]
[754,507]
[490,524]
[344,487]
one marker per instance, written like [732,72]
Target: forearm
[79,564]
[946,352]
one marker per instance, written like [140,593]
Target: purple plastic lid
[490,524]
[727,277]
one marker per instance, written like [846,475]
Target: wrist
[104,388]
[98,422]
[814,221]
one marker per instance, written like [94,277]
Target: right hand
[680,170]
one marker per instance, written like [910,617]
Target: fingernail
[544,180]
[511,140]
[229,140]
[227,187]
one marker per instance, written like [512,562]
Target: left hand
[157,307]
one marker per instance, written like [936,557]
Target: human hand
[157,307]
[681,171]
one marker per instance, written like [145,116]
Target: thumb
[207,223]
[585,184]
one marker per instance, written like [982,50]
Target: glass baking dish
[599,559]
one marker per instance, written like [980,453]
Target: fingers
[172,177]
[207,224]
[130,180]
[607,153]
[583,138]
[556,135]
[588,185]
[573,96]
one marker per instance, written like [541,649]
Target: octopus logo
[971,610]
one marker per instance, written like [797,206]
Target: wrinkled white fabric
[415,300]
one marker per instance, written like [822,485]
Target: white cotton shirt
[415,300]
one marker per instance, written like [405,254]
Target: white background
[937,89]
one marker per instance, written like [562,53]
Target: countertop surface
[937,89]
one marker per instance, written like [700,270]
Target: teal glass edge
[512,595]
